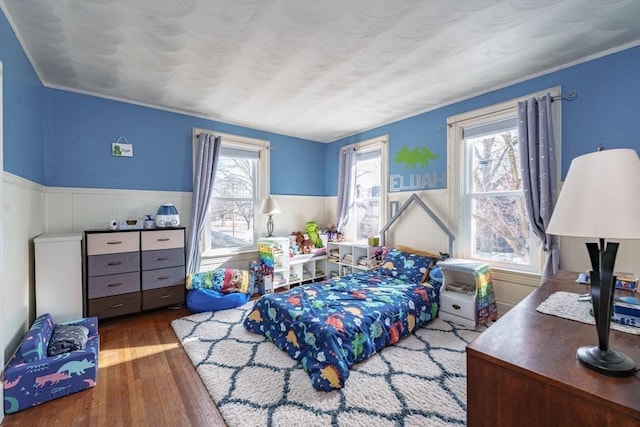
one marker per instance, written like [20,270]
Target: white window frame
[243,142]
[372,144]
[457,160]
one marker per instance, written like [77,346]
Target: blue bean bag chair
[219,289]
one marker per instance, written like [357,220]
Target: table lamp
[600,198]
[269,207]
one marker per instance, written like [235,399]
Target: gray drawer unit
[116,305]
[113,284]
[152,279]
[128,271]
[161,297]
[162,258]
[101,265]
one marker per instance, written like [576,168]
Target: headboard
[414,198]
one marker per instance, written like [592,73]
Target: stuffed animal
[312,231]
[307,244]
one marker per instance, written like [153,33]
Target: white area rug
[421,381]
[566,305]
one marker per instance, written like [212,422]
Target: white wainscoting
[79,209]
[23,219]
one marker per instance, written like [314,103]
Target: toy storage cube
[466,296]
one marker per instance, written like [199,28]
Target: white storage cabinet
[281,271]
[58,262]
[346,258]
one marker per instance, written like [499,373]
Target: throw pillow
[406,266]
[67,338]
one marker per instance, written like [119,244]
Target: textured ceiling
[319,70]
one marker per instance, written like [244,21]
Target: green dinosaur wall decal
[411,158]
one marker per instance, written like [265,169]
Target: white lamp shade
[600,197]
[269,206]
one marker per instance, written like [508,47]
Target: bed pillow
[67,338]
[406,266]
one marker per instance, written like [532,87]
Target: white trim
[261,145]
[10,178]
[456,166]
[107,191]
[381,142]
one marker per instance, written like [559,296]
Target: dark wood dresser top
[544,347]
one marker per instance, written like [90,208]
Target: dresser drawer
[109,243]
[458,304]
[162,239]
[162,297]
[114,306]
[152,279]
[101,265]
[113,284]
[162,258]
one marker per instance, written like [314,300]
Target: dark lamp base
[609,362]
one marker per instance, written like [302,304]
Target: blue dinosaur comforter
[328,326]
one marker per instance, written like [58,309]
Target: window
[367,217]
[493,198]
[239,187]
[493,225]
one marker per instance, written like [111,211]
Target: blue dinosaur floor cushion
[51,362]
[218,289]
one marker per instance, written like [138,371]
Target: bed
[328,326]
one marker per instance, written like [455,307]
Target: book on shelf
[460,287]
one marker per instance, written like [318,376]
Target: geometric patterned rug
[420,381]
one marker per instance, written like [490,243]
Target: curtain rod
[571,96]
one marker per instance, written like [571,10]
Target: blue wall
[60,138]
[607,111]
[81,128]
[23,96]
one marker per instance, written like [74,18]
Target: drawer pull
[163,278]
[163,258]
[114,242]
[111,285]
[115,306]
[165,296]
[115,263]
[456,306]
[163,239]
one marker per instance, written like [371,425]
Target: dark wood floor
[144,379]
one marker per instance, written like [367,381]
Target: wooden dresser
[523,370]
[132,270]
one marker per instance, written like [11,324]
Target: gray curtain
[203,177]
[346,186]
[538,168]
